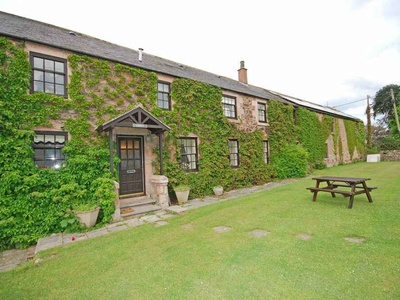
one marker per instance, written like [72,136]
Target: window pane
[49,138]
[130,154]
[39,154]
[49,77]
[59,79]
[60,139]
[49,88]
[38,75]
[39,138]
[38,86]
[59,67]
[38,62]
[49,154]
[49,65]
[59,89]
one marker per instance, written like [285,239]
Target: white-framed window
[229,107]
[262,112]
[233,153]
[49,74]
[266,151]
[189,153]
[164,95]
[47,146]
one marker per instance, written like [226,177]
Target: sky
[330,52]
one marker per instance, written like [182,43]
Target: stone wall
[390,155]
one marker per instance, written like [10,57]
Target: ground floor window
[266,152]
[189,154]
[47,146]
[233,153]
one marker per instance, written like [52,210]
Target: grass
[186,259]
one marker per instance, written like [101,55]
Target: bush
[291,162]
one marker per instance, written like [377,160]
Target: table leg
[367,191]
[316,192]
[353,189]
[330,187]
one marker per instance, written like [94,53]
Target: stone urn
[218,190]
[182,193]
[88,217]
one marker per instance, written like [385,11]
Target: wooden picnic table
[348,187]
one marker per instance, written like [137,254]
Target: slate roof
[39,32]
[315,107]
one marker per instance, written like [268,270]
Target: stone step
[136,210]
[136,201]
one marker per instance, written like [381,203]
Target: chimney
[140,54]
[242,73]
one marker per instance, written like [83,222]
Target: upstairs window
[48,148]
[262,112]
[229,107]
[49,74]
[163,95]
[189,154]
[266,152]
[233,153]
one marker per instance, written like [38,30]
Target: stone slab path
[9,259]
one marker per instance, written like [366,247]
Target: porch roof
[135,118]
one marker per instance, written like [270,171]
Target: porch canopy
[135,118]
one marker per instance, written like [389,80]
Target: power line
[351,102]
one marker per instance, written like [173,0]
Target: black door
[130,150]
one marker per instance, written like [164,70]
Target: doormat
[127,210]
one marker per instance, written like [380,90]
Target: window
[189,154]
[266,152]
[47,147]
[49,74]
[295,116]
[326,150]
[229,106]
[233,153]
[262,112]
[163,96]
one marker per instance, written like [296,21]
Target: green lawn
[186,259]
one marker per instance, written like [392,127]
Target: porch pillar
[110,137]
[160,146]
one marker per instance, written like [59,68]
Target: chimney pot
[242,72]
[141,54]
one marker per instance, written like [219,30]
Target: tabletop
[342,179]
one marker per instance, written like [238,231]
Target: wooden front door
[131,171]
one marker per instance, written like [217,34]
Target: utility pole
[369,127]
[395,111]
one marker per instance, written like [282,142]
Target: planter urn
[218,190]
[182,195]
[88,217]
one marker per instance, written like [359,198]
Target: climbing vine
[36,202]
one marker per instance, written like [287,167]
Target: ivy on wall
[197,111]
[312,134]
[35,202]
[356,136]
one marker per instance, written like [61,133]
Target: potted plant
[87,213]
[182,193]
[218,190]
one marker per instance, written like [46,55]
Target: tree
[383,104]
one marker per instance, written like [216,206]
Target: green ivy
[313,133]
[36,202]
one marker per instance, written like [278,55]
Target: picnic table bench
[349,187]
